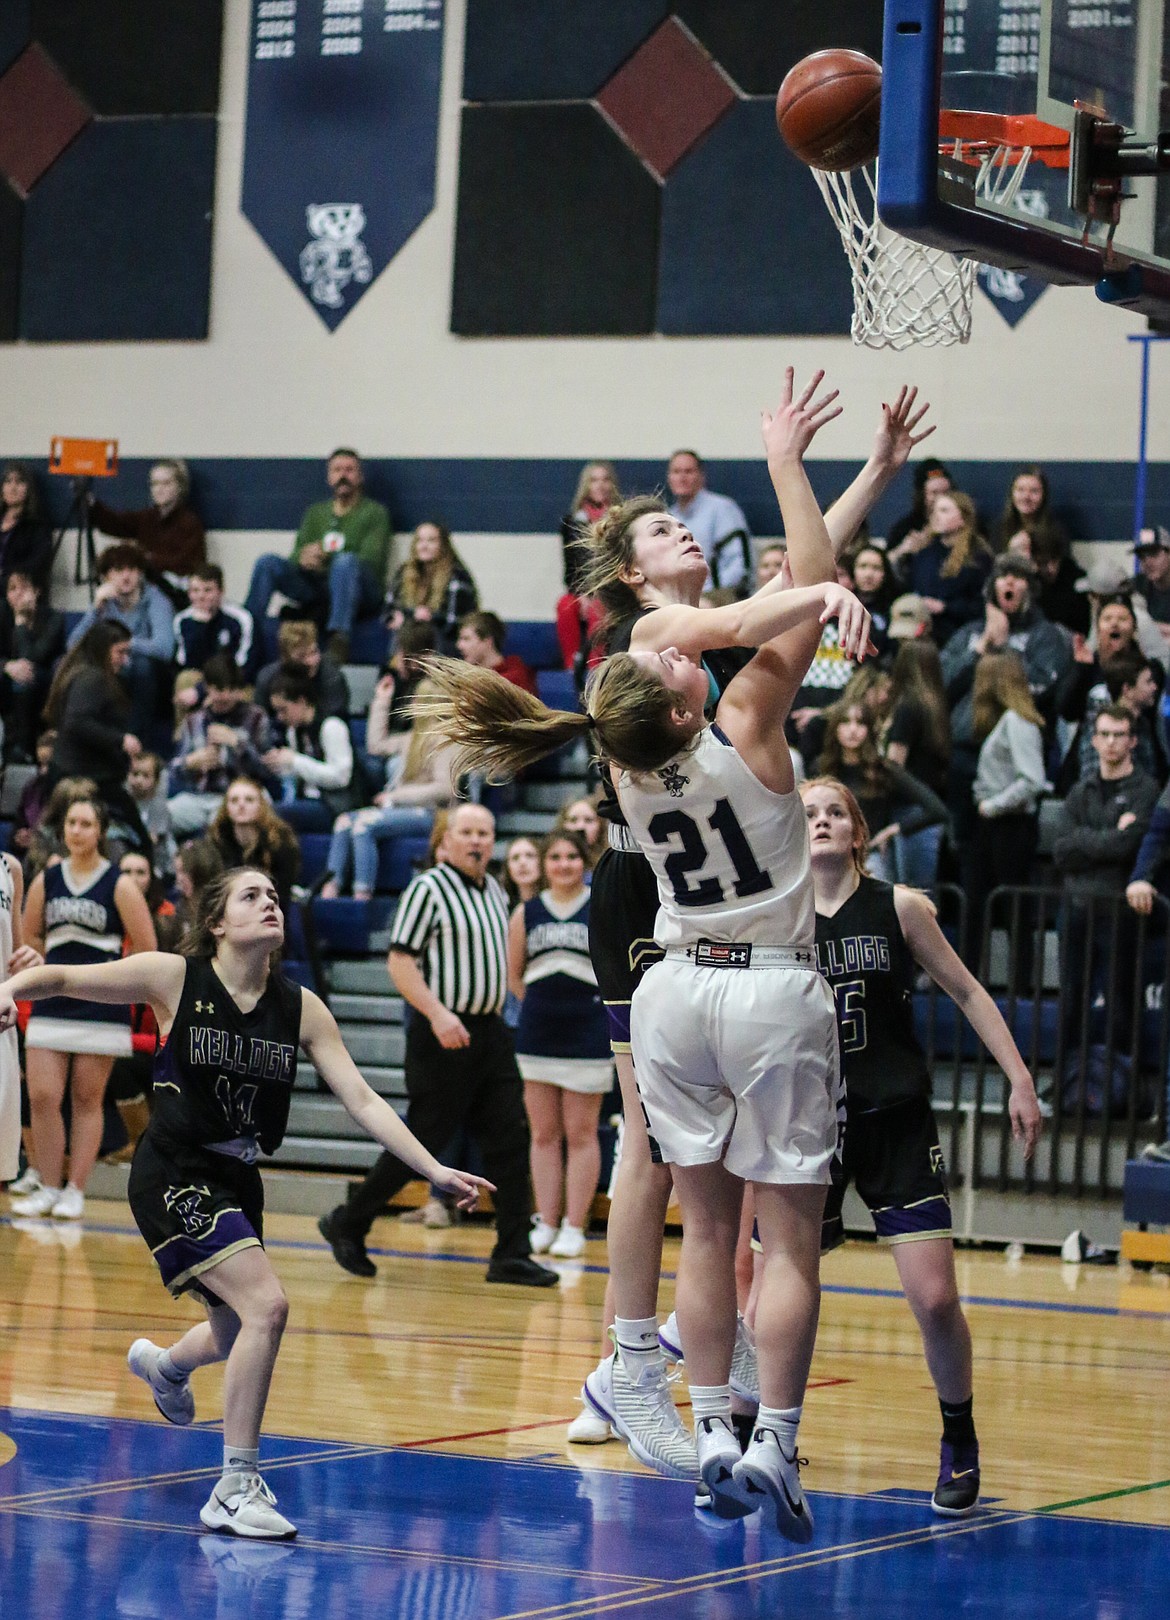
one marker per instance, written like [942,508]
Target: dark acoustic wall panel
[14,30]
[132,57]
[118,235]
[11,225]
[557,229]
[551,50]
[757,41]
[747,246]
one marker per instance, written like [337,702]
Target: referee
[448,960]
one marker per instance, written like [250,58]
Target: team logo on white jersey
[673,781]
[337,255]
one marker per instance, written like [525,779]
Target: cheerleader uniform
[562,1037]
[223,1084]
[82,928]
[9,1055]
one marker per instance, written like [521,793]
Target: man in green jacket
[339,557]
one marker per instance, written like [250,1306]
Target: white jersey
[9,1055]
[731,857]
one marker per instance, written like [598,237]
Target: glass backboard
[981,136]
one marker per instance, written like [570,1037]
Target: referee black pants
[478,1089]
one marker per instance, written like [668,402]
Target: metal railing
[1083,983]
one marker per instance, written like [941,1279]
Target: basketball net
[903,292]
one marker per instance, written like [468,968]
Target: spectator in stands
[521,874]
[931,478]
[892,800]
[197,863]
[26,540]
[226,737]
[769,563]
[210,625]
[947,563]
[917,737]
[246,831]
[1057,579]
[168,533]
[1027,510]
[910,619]
[32,638]
[433,586]
[312,755]
[562,1046]
[1099,830]
[34,795]
[1153,582]
[146,785]
[578,620]
[126,597]
[715,521]
[299,646]
[89,708]
[1010,618]
[871,580]
[1110,580]
[1131,679]
[1009,781]
[481,636]
[580,817]
[407,809]
[597,490]
[1083,689]
[339,557]
[47,841]
[401,676]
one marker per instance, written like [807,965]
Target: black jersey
[863,954]
[223,1074]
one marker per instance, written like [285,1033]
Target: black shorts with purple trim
[893,1157]
[194,1208]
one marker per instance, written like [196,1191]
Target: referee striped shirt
[458,931]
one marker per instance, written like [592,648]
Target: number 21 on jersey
[692,855]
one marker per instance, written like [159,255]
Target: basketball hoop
[905,293]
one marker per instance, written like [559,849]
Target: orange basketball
[828,109]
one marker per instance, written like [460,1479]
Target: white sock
[637,1341]
[168,1370]
[783,1421]
[240,1459]
[711,1401]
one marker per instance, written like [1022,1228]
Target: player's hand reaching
[793,425]
[463,1186]
[853,622]
[7,1009]
[898,433]
[24,956]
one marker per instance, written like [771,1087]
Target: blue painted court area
[98,1519]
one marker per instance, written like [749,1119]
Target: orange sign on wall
[84,458]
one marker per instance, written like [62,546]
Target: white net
[905,293]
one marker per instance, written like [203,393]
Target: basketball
[828,109]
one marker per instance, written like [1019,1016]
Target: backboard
[968,83]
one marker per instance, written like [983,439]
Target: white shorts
[591,1077]
[740,1064]
[87,1037]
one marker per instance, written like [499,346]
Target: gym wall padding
[117,235]
[739,232]
[557,225]
[551,50]
[545,245]
[134,58]
[110,131]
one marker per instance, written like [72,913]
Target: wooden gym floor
[417,1431]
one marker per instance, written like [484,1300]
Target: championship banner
[341,137]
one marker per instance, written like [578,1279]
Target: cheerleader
[14,955]
[562,1045]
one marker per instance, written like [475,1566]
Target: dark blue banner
[340,144]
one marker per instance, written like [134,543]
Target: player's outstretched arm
[899,433]
[932,950]
[787,433]
[153,976]
[327,1052]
